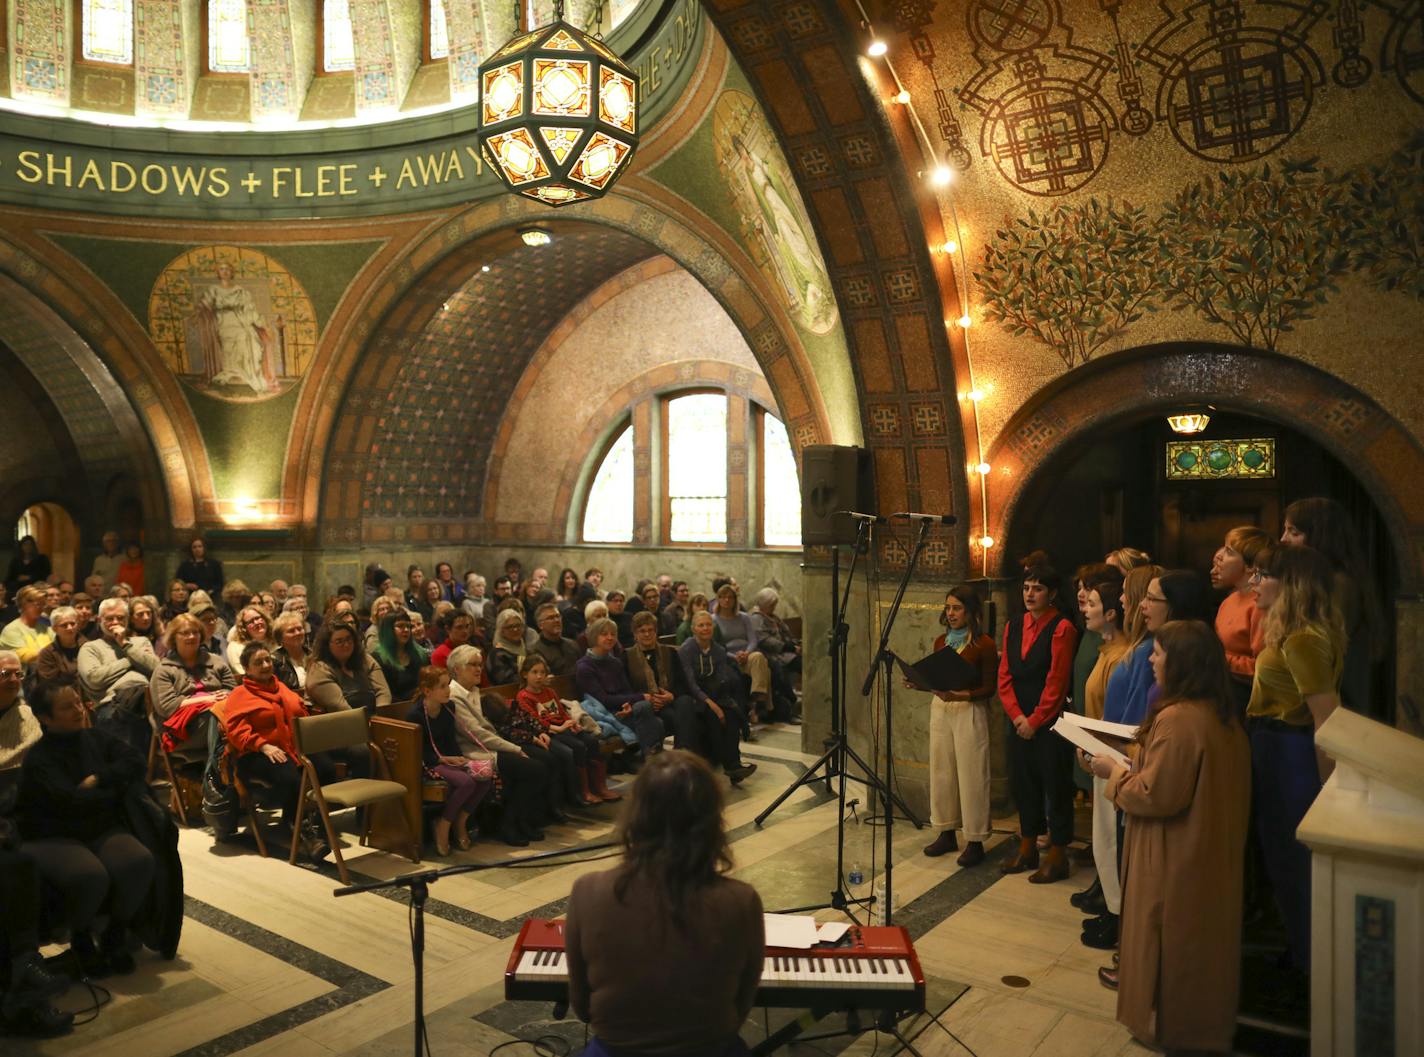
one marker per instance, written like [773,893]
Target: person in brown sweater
[664,951]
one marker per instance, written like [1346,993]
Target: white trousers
[959,767]
[1105,845]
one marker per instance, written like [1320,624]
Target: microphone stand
[419,884]
[839,752]
[885,661]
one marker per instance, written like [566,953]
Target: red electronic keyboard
[876,969]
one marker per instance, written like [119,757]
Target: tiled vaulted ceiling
[435,423]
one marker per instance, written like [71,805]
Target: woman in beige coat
[1187,800]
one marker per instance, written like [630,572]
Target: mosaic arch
[107,428]
[1346,422]
[364,488]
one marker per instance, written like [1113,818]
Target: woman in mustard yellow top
[1295,689]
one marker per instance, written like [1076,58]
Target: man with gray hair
[114,671]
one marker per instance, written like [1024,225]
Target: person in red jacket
[259,721]
[1035,674]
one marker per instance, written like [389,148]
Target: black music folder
[942,670]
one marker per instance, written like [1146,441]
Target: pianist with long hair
[664,950]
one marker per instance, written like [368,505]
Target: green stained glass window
[108,31]
[1219,460]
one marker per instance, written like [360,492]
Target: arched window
[229,50]
[779,486]
[714,447]
[107,31]
[608,515]
[696,434]
[437,36]
[338,44]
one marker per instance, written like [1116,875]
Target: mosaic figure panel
[232,323]
[773,217]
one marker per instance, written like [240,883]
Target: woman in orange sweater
[259,721]
[959,734]
[1240,624]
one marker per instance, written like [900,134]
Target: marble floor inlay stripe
[350,984]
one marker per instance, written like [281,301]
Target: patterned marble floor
[271,963]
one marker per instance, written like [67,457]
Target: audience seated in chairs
[530,789]
[739,636]
[697,603]
[459,629]
[776,642]
[188,681]
[399,656]
[60,659]
[603,681]
[258,721]
[74,822]
[468,780]
[143,620]
[574,749]
[114,672]
[510,646]
[344,675]
[560,654]
[655,669]
[291,659]
[713,681]
[25,634]
[253,625]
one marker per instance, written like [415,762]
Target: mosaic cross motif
[1011,25]
[1233,91]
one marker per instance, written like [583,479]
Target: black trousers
[114,864]
[526,782]
[282,781]
[553,787]
[19,908]
[1041,778]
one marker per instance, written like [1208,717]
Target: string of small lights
[940,177]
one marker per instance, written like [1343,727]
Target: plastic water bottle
[856,877]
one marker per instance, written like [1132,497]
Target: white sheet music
[1126,731]
[790,930]
[1089,743]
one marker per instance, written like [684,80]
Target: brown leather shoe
[1026,859]
[1108,978]
[973,853]
[1055,866]
[945,843]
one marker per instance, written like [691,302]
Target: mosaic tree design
[1387,206]
[1073,277]
[1256,252]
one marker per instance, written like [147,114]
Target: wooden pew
[399,744]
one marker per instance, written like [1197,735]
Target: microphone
[938,519]
[874,519]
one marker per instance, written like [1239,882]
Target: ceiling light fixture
[1187,422]
[535,236]
[558,118]
[877,48]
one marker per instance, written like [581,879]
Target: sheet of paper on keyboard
[790,930]
[830,931]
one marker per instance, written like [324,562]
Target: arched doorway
[56,534]
[1116,488]
[1337,439]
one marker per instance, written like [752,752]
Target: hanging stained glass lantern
[558,114]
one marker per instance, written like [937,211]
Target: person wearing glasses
[114,670]
[26,635]
[344,675]
[399,655]
[253,625]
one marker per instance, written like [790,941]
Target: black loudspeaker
[833,477]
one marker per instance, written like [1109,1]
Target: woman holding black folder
[959,734]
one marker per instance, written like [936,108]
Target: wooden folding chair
[342,730]
[193,750]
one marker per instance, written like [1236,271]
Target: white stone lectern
[1366,834]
